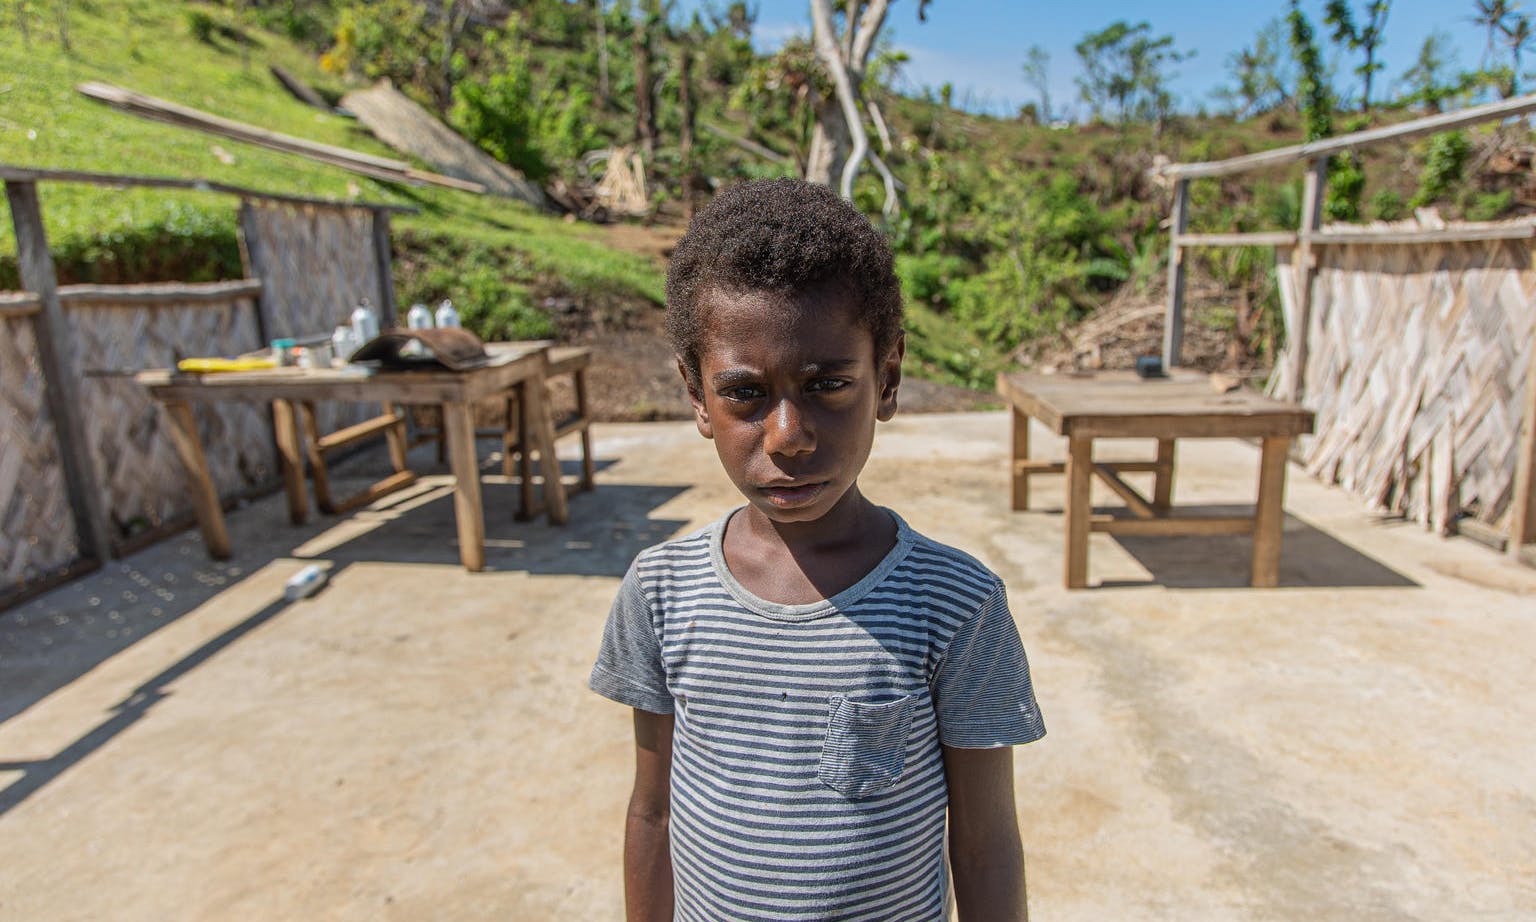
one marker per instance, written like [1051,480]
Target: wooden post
[1269,512]
[254,261]
[56,354]
[389,310]
[1079,508]
[290,456]
[468,510]
[1162,483]
[1173,318]
[1020,475]
[1313,188]
[205,497]
[1522,516]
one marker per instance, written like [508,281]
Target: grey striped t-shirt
[807,777]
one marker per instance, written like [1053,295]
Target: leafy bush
[1488,206]
[182,244]
[201,25]
[1445,160]
[1388,205]
[928,277]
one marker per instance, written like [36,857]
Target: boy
[814,684]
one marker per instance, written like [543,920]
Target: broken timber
[160,110]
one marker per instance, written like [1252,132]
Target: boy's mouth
[791,495]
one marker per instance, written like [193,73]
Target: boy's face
[789,392]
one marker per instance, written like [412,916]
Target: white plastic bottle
[365,323]
[419,317]
[447,316]
[304,583]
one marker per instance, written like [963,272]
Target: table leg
[1162,483]
[1079,507]
[1269,513]
[290,456]
[536,409]
[1020,453]
[524,457]
[205,498]
[468,511]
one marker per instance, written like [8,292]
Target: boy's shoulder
[932,553]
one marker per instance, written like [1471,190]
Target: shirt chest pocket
[865,748]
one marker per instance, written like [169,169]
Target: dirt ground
[178,742]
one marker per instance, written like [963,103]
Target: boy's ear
[890,378]
[700,414]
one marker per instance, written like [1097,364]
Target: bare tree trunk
[645,90]
[847,74]
[604,93]
[830,144]
[62,7]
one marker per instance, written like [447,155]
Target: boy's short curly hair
[782,237]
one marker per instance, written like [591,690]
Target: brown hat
[453,348]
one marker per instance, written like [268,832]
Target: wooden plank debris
[300,90]
[171,113]
[123,180]
[398,121]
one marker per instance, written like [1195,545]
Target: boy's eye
[827,384]
[742,393]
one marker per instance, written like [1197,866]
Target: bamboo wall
[126,428]
[38,534]
[316,264]
[1417,358]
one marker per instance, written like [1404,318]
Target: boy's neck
[795,563]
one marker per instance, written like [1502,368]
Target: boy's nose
[787,432]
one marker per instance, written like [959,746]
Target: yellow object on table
[213,365]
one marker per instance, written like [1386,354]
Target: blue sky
[978,45]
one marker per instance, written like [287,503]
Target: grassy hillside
[503,249]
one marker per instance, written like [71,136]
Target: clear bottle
[419,317]
[304,583]
[447,315]
[365,323]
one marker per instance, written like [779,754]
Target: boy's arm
[647,849]
[984,848]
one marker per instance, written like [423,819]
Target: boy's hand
[984,848]
[647,848]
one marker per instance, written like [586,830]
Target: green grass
[149,46]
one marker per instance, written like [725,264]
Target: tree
[1263,73]
[1426,79]
[1490,15]
[1037,64]
[1365,37]
[646,25]
[1123,67]
[1314,97]
[1517,37]
[839,143]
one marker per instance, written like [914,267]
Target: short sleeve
[629,668]
[982,691]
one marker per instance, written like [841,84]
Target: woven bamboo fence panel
[143,484]
[315,264]
[1417,359]
[37,527]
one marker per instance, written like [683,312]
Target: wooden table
[454,391]
[1121,405]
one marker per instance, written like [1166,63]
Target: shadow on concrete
[607,528]
[59,637]
[1309,557]
[37,773]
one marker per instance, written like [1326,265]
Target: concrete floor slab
[416,742]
